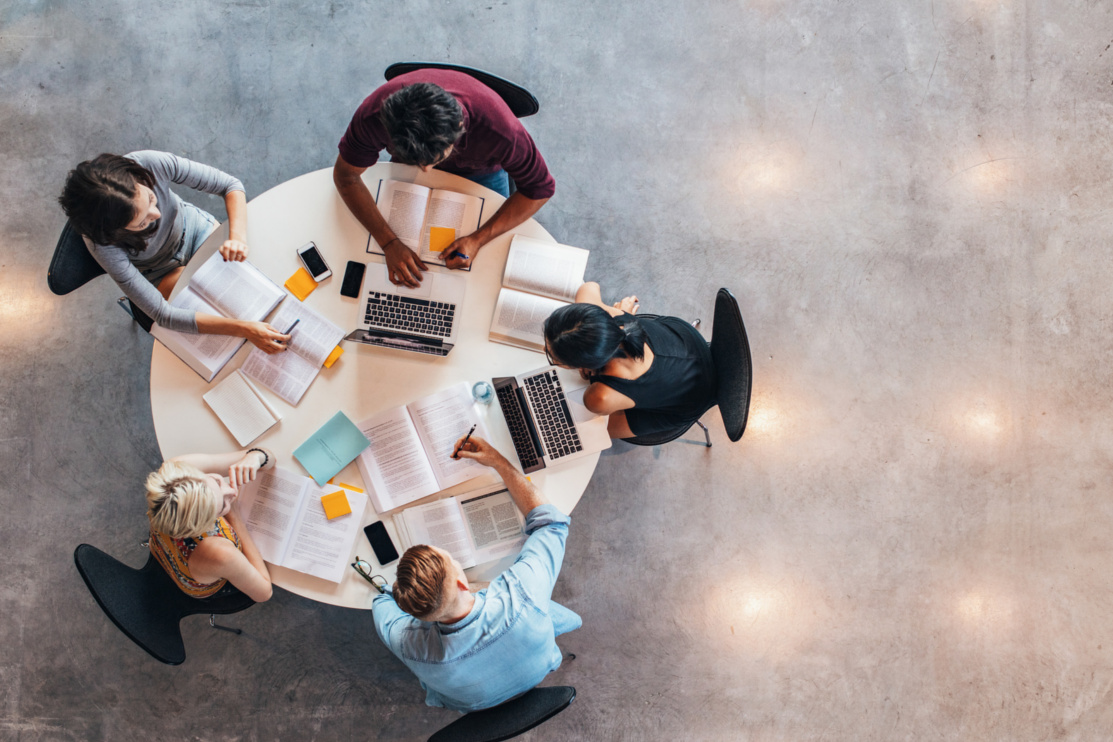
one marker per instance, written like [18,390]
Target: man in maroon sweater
[451,121]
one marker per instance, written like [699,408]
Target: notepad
[301,284]
[241,407]
[335,504]
[440,238]
[331,448]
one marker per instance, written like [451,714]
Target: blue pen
[456,253]
[291,327]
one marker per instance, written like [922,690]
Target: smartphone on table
[381,543]
[314,262]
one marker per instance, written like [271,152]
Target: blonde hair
[180,501]
[420,586]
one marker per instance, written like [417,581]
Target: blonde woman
[197,534]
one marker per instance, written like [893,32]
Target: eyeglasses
[364,570]
[549,357]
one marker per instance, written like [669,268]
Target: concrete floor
[910,201]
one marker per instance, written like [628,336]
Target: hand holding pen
[461,444]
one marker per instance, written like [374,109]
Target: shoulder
[215,550]
[603,400]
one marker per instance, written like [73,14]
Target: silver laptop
[547,418]
[422,320]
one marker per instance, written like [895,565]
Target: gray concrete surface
[909,199]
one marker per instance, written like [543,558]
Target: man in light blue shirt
[474,651]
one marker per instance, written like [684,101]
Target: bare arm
[261,334]
[218,558]
[513,212]
[239,466]
[526,496]
[402,262]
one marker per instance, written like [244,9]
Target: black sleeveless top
[680,383]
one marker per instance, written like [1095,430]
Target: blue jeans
[197,225]
[498,181]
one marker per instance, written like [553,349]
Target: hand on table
[243,471]
[628,305]
[234,250]
[462,252]
[403,265]
[265,338]
[479,450]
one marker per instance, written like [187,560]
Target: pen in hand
[456,453]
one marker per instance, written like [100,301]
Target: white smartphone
[314,262]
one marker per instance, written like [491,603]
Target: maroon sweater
[493,138]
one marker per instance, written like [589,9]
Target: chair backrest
[145,604]
[72,266]
[520,101]
[730,350]
[510,719]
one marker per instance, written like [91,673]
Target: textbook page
[289,374]
[205,354]
[439,524]
[545,268]
[319,546]
[403,207]
[519,319]
[270,505]
[441,419]
[237,289]
[457,211]
[241,407]
[394,467]
[495,524]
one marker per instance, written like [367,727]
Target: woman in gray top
[142,234]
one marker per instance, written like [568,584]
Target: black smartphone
[353,279]
[381,543]
[314,262]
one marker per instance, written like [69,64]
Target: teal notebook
[331,448]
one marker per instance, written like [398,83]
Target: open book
[475,528]
[227,289]
[411,209]
[540,277]
[289,374]
[283,513]
[241,407]
[410,455]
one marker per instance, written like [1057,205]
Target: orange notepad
[440,238]
[333,356]
[301,284]
[335,504]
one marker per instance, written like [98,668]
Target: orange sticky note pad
[440,238]
[335,354]
[335,504]
[301,284]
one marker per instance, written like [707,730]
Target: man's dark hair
[422,121]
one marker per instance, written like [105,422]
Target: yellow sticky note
[351,487]
[335,354]
[440,238]
[335,504]
[301,284]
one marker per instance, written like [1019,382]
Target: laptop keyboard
[551,413]
[516,421]
[410,315]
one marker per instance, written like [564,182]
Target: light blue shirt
[506,644]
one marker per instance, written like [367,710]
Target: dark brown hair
[419,589]
[98,198]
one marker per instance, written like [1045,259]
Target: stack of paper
[242,408]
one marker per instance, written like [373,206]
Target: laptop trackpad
[580,413]
[423,291]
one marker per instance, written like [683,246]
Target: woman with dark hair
[650,375]
[143,234]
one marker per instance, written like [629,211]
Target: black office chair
[146,605]
[508,720]
[734,370]
[72,267]
[520,101]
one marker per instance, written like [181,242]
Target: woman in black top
[650,375]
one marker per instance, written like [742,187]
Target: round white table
[365,379]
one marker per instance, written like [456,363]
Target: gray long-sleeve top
[127,270]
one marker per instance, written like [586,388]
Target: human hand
[461,253]
[479,450]
[402,264]
[264,337]
[243,471]
[234,250]
[629,305]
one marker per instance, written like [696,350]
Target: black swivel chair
[72,267]
[521,101]
[146,605]
[734,370]
[510,719]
